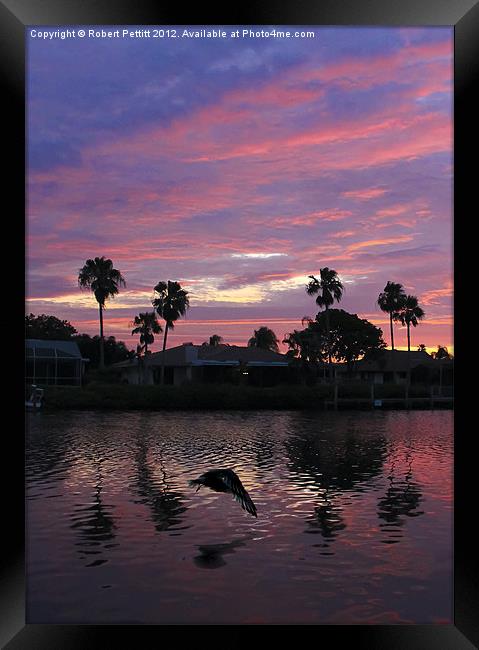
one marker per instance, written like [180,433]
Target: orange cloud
[380,242]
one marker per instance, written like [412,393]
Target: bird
[226,480]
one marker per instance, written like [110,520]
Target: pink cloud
[365,194]
[437,296]
[237,159]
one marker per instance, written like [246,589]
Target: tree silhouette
[410,313]
[48,328]
[265,339]
[170,302]
[146,326]
[214,340]
[103,280]
[390,301]
[308,346]
[328,289]
[350,337]
[337,333]
[442,353]
[114,350]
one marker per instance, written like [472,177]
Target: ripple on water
[347,503]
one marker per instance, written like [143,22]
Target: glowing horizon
[239,168]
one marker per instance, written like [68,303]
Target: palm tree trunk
[102,348]
[329,342]
[408,355]
[144,362]
[162,378]
[392,329]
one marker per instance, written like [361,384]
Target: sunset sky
[239,167]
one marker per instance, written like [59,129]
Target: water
[354,518]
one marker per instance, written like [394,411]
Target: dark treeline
[333,334]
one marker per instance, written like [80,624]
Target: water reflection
[326,520]
[402,499]
[333,463]
[264,452]
[211,555]
[166,504]
[45,460]
[94,525]
[341,459]
[349,480]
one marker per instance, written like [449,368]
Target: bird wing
[233,483]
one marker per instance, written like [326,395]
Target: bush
[351,390]
[188,397]
[383,391]
[97,376]
[101,395]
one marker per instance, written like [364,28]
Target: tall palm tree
[171,302]
[410,313]
[329,288]
[99,276]
[265,339]
[390,301]
[146,326]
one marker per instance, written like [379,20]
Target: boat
[35,401]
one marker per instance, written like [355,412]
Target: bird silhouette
[225,480]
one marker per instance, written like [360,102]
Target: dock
[375,402]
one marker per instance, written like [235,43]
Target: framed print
[241,239]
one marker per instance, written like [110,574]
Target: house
[57,363]
[392,366]
[207,363]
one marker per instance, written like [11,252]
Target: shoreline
[229,397]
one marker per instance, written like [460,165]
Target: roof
[395,361]
[243,355]
[207,355]
[40,348]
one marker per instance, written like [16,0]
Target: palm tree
[442,352]
[214,341]
[421,348]
[329,288]
[410,313]
[265,339]
[390,301]
[146,326]
[170,303]
[295,344]
[99,276]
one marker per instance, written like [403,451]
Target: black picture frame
[15,15]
